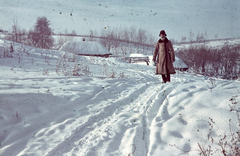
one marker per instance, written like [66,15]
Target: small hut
[179,64]
[85,48]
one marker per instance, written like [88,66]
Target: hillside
[109,108]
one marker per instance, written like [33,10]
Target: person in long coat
[164,57]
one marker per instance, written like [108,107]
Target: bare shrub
[80,69]
[7,51]
[212,61]
[112,74]
[122,75]
[191,36]
[72,65]
[227,143]
[63,64]
[45,72]
[105,68]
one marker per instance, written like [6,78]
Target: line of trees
[200,37]
[17,34]
[130,35]
[39,36]
[121,41]
[221,61]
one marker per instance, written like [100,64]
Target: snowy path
[93,116]
[115,120]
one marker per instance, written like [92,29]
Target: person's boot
[164,78]
[168,78]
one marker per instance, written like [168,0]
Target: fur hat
[162,32]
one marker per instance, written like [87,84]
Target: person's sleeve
[155,52]
[172,52]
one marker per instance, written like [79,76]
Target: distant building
[133,58]
[86,48]
[179,64]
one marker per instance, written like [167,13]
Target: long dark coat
[165,57]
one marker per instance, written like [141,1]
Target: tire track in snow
[160,117]
[150,99]
[98,119]
[142,101]
[103,123]
[155,105]
[82,139]
[152,110]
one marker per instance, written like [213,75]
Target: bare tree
[74,33]
[132,34]
[32,38]
[151,39]
[23,36]
[183,39]
[142,36]
[173,40]
[66,32]
[15,31]
[199,37]
[191,36]
[126,36]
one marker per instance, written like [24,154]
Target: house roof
[136,55]
[84,48]
[179,63]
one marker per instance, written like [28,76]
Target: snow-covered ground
[116,109]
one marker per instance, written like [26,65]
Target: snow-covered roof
[179,63]
[84,48]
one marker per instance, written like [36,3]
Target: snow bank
[84,48]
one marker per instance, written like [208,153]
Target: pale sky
[177,17]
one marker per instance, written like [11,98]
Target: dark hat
[163,33]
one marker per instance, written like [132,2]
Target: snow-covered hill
[116,108]
[211,43]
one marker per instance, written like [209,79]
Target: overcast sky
[178,17]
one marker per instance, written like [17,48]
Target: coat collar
[161,41]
